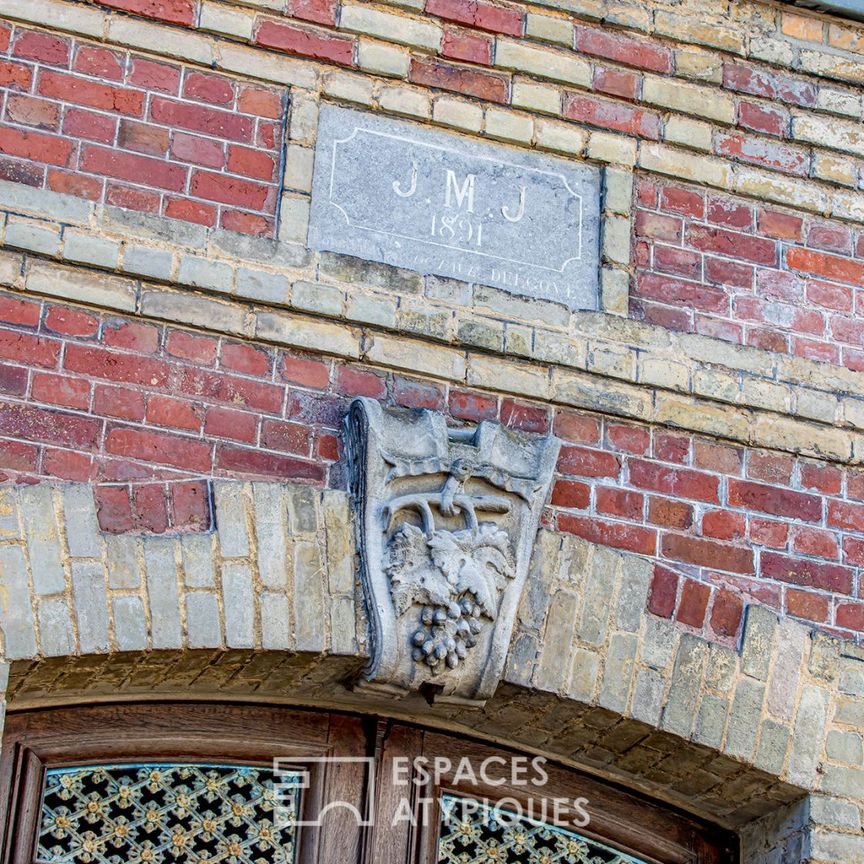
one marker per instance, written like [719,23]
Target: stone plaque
[438,203]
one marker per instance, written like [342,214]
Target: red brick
[663,593]
[143,338]
[721,271]
[663,316]
[827,266]
[775,500]
[850,615]
[658,226]
[41,47]
[74,184]
[783,226]
[727,612]
[135,169]
[70,322]
[307,43]
[832,238]
[319,11]
[328,448]
[722,211]
[245,358]
[247,223]
[669,447]
[855,484]
[762,118]
[770,467]
[99,62]
[612,115]
[618,535]
[669,289]
[806,604]
[620,502]
[316,409]
[358,382]
[230,389]
[572,426]
[115,366]
[527,418]
[759,151]
[467,46]
[306,373]
[682,201]
[227,423]
[670,513]
[214,89]
[616,82]
[176,413]
[445,76]
[683,262]
[630,439]
[5,37]
[49,426]
[417,394]
[201,151]
[154,76]
[821,478]
[251,163]
[707,553]
[622,49]
[190,505]
[29,349]
[585,462]
[132,199]
[843,514]
[27,111]
[260,101]
[67,465]
[173,11]
[802,571]
[15,75]
[673,481]
[485,16]
[162,448]
[190,211]
[758,82]
[838,298]
[733,244]
[286,437]
[37,146]
[143,138]
[18,171]
[121,402]
[92,94]
[231,190]
[114,509]
[61,390]
[812,541]
[693,603]
[570,494]
[150,507]
[766,532]
[90,125]
[13,379]
[212,122]
[723,525]
[468,405]
[197,349]
[257,463]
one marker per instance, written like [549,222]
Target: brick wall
[139,132]
[147,410]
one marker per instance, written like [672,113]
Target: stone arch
[265,607]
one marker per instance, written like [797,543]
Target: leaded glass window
[489,835]
[166,814]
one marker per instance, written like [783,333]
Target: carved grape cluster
[447,632]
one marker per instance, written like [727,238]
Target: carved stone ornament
[447,519]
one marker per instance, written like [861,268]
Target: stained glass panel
[166,814]
[481,834]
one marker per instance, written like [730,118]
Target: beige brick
[810,29]
[307,333]
[82,285]
[663,372]
[770,50]
[612,148]
[172,42]
[543,62]
[560,137]
[76,19]
[843,37]
[582,390]
[494,374]
[303,121]
[351,88]
[509,126]
[770,186]
[294,219]
[222,19]
[839,101]
[536,97]
[832,66]
[718,385]
[383,59]
[188,308]
[690,133]
[11,264]
[616,239]
[458,114]
[687,166]
[417,357]
[390,27]
[848,205]
[298,168]
[549,28]
[615,360]
[703,65]
[403,100]
[615,291]
[694,28]
[838,169]
[618,191]
[688,98]
[269,66]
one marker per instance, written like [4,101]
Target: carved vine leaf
[477,562]
[413,575]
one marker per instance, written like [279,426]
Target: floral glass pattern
[166,814]
[480,834]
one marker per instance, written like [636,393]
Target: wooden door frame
[255,734]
